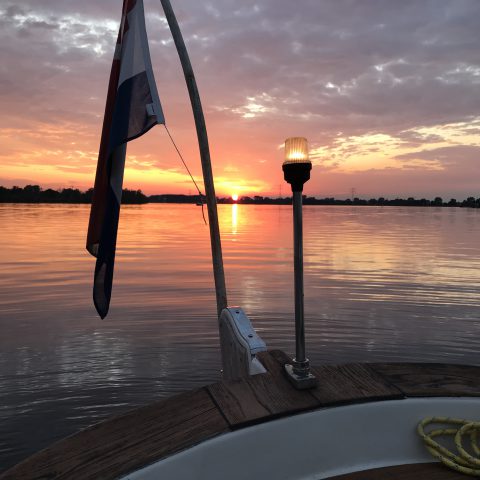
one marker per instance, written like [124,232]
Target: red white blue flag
[132,108]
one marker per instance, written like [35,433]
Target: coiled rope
[464,462]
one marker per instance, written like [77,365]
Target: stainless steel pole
[298,372]
[220,289]
[300,363]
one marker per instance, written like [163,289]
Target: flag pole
[218,272]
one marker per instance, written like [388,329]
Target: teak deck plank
[127,442]
[237,402]
[347,383]
[416,471]
[260,397]
[351,383]
[431,379]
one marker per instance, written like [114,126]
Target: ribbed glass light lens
[296,150]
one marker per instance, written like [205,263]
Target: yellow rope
[464,462]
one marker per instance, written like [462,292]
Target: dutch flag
[133,107]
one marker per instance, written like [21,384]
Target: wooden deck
[417,471]
[128,442]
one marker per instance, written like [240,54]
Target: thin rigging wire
[188,170]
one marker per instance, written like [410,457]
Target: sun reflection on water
[234,218]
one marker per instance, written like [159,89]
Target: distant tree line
[35,194]
[470,202]
[176,198]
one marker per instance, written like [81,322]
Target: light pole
[296,170]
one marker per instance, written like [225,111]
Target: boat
[343,422]
[358,423]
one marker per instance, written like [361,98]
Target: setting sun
[234,197]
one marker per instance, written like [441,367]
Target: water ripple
[381,284]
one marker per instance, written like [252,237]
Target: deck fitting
[300,380]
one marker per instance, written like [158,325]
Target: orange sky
[387,95]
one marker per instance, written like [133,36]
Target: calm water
[399,284]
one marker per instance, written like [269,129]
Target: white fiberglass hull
[315,445]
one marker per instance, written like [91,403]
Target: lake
[381,284]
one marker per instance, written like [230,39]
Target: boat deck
[417,471]
[130,441]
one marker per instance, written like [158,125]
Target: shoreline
[35,194]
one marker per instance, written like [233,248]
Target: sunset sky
[386,91]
